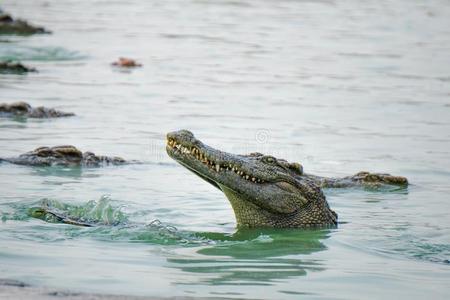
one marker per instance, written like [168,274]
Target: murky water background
[340,87]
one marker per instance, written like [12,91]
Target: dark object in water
[126,63]
[68,156]
[9,25]
[10,67]
[26,110]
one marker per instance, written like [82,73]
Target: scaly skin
[67,156]
[23,109]
[265,191]
[8,25]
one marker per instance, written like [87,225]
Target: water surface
[339,87]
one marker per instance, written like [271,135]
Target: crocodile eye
[269,159]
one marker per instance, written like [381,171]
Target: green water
[338,87]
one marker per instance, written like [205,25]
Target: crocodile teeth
[199,155]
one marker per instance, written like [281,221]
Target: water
[339,87]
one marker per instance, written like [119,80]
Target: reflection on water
[59,171]
[254,257]
[18,119]
[268,242]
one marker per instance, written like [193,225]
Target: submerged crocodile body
[9,25]
[265,191]
[67,156]
[23,109]
[11,67]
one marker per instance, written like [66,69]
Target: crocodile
[67,156]
[23,109]
[53,215]
[11,67]
[9,25]
[265,191]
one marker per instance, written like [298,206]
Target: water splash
[99,212]
[102,219]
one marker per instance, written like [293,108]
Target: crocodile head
[264,191]
[67,156]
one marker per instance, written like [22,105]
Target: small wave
[12,52]
[424,250]
[410,246]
